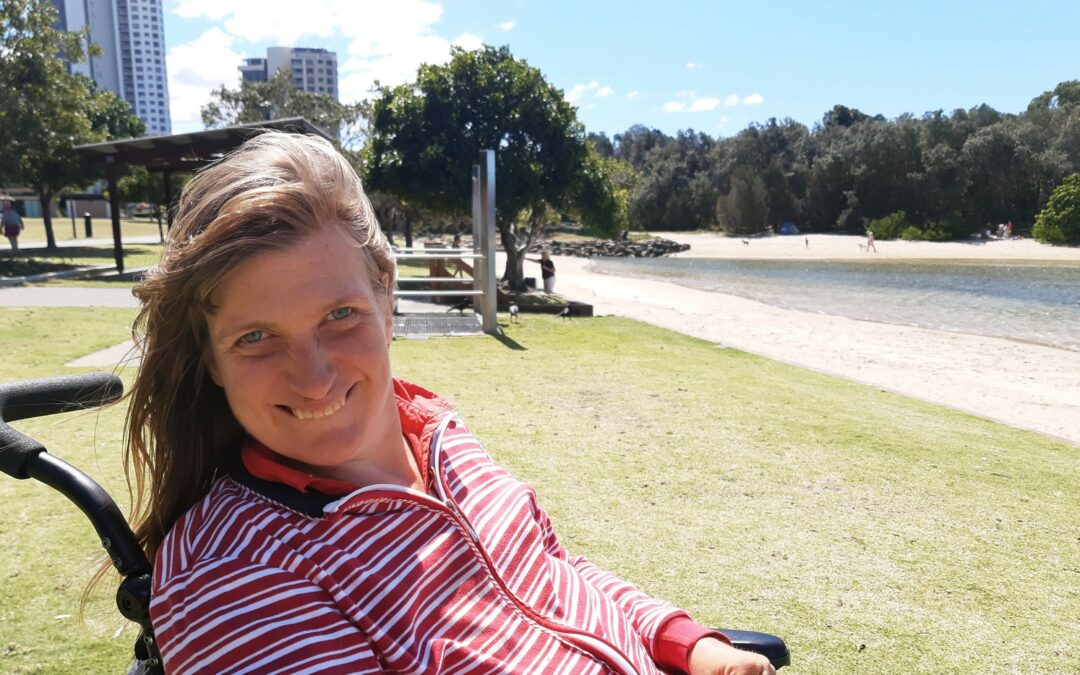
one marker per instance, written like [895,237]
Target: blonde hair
[266,195]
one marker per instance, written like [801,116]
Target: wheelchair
[22,457]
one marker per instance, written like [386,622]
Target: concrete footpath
[60,296]
[439,323]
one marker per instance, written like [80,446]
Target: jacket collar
[262,470]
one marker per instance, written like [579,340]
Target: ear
[389,328]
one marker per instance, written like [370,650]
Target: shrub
[889,227]
[1059,222]
[943,229]
[911,233]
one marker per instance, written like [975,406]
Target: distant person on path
[13,225]
[547,271]
[807,243]
[870,241]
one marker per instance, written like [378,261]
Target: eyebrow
[354,299]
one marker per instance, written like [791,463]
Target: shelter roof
[190,151]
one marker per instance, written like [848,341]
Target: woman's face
[299,342]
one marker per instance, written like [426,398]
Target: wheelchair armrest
[769,646]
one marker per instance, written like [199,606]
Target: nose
[311,370]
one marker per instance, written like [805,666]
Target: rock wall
[652,248]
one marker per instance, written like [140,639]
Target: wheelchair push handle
[23,457]
[24,399]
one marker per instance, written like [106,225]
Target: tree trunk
[408,233]
[514,272]
[45,195]
[516,244]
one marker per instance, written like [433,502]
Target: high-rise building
[131,65]
[313,70]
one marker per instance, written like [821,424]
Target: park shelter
[177,153]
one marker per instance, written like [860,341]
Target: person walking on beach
[13,224]
[547,271]
[807,243]
[870,241]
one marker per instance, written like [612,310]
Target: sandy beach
[1023,385]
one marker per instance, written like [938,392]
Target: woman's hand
[713,657]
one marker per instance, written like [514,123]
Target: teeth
[316,414]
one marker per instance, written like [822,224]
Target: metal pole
[479,284]
[488,300]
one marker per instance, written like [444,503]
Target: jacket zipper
[600,649]
[595,647]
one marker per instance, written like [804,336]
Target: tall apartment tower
[131,65]
[313,70]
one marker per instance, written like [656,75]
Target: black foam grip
[46,396]
[51,395]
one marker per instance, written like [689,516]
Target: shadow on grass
[21,268]
[71,252]
[508,341]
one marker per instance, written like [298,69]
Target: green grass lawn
[34,234]
[755,494]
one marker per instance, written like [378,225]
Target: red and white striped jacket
[466,578]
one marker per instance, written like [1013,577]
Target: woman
[13,224]
[309,511]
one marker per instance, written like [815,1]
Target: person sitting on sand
[308,510]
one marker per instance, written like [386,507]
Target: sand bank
[846,247]
[1022,385]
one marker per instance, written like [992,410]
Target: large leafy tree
[1059,222]
[426,136]
[45,110]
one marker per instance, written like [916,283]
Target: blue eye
[340,313]
[252,337]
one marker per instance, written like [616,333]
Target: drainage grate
[420,325]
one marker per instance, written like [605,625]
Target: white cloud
[604,91]
[703,104]
[196,68]
[468,41]
[634,94]
[507,25]
[753,99]
[731,100]
[691,65]
[387,41]
[580,90]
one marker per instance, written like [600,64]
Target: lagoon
[1037,303]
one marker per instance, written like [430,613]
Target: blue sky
[711,66]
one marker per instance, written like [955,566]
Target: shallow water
[1030,302]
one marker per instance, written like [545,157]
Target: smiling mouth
[319,414]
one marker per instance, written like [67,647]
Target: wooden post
[114,206]
[169,196]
